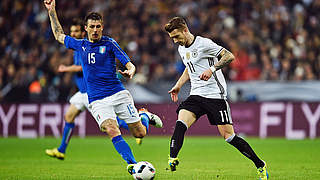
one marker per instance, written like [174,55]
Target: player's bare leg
[70,116]
[72,113]
[137,129]
[228,133]
[185,120]
[110,126]
[226,130]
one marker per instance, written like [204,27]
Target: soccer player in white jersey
[106,94]
[204,60]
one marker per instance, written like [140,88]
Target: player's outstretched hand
[174,93]
[62,68]
[50,4]
[126,73]
[206,75]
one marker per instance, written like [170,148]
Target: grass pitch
[201,158]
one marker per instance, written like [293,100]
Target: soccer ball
[143,171]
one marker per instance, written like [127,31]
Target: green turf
[201,158]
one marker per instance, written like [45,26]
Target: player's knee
[110,129]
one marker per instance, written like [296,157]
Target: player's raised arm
[55,25]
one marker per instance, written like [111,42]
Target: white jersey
[198,57]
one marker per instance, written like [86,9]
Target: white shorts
[120,104]
[80,101]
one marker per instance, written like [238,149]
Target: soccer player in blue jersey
[79,101]
[107,96]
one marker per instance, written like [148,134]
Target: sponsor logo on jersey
[188,55]
[102,49]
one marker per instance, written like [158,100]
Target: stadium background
[276,44]
[273,88]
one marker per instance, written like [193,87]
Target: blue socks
[67,133]
[122,124]
[145,120]
[123,149]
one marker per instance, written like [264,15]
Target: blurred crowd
[274,40]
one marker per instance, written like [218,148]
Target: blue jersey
[99,65]
[79,75]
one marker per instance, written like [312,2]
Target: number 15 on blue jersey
[91,58]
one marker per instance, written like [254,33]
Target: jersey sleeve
[72,43]
[212,48]
[119,53]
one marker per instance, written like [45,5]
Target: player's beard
[95,37]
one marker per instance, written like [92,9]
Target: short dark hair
[93,16]
[77,22]
[175,23]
